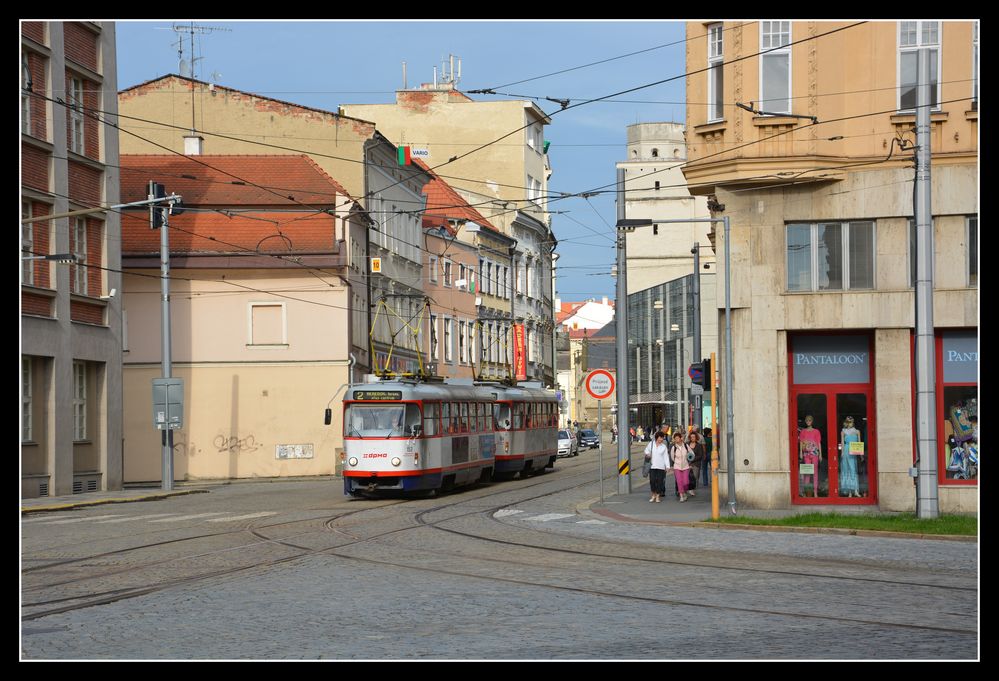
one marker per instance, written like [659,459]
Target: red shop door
[833,457]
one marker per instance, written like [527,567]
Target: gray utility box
[168,403]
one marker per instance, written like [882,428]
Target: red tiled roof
[217,233]
[444,203]
[292,184]
[228,180]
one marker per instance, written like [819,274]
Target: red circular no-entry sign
[600,384]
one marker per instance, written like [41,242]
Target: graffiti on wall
[236,445]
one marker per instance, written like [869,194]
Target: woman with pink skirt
[680,454]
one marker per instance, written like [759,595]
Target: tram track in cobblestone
[111,596]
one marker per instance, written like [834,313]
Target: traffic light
[696,374]
[709,377]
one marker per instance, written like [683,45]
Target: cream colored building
[260,302]
[656,189]
[821,279]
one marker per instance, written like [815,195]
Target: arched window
[655,153]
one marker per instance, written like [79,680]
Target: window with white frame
[506,283]
[79,401]
[972,250]
[528,272]
[26,431]
[830,256]
[530,345]
[25,96]
[267,324]
[434,346]
[462,274]
[433,268]
[913,35]
[716,81]
[27,245]
[76,115]
[775,66]
[489,288]
[80,251]
[447,272]
[913,252]
[492,342]
[504,347]
[448,349]
[535,137]
[520,284]
[462,343]
[471,342]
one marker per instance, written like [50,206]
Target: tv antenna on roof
[187,69]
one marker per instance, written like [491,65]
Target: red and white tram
[412,436]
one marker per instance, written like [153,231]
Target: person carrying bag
[655,459]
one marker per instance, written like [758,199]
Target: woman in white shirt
[655,452]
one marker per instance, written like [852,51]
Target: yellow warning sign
[376,265]
[624,467]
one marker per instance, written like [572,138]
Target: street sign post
[600,385]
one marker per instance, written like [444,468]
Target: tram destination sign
[377,394]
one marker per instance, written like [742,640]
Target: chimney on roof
[558,303]
[605,300]
[194,145]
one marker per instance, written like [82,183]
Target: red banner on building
[519,353]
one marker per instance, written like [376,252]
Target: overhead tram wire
[604,61]
[597,190]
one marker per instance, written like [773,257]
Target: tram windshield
[381,420]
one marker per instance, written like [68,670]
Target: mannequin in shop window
[810,452]
[849,485]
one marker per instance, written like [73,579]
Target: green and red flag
[404,156]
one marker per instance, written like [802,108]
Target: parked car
[588,438]
[567,445]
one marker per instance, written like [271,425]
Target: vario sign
[600,384]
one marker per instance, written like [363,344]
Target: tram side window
[445,417]
[464,417]
[487,417]
[430,416]
[501,413]
[518,416]
[473,421]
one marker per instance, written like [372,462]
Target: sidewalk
[63,503]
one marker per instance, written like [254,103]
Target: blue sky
[324,64]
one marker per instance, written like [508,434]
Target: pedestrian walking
[708,448]
[614,433]
[680,455]
[655,453]
[695,444]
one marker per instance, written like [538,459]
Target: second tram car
[410,436]
[527,431]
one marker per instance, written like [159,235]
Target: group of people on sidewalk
[685,458]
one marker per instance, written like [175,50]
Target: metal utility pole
[696,398]
[621,318]
[729,415]
[927,501]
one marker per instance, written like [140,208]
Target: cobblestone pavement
[509,571]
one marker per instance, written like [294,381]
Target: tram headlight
[352,461]
[396,461]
